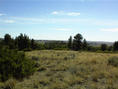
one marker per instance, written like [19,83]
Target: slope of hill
[98,43]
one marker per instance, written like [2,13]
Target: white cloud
[2,14]
[65,13]
[9,21]
[110,30]
[55,13]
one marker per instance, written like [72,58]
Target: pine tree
[85,44]
[7,39]
[33,45]
[70,42]
[77,42]
[115,46]
[23,42]
[103,47]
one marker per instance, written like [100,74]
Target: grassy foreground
[71,70]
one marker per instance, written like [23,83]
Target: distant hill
[50,41]
[98,43]
[91,43]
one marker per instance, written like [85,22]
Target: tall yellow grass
[71,70]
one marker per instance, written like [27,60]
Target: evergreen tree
[7,39]
[70,42]
[77,42]
[22,42]
[33,44]
[110,48]
[104,47]
[27,42]
[115,46]
[85,45]
[14,64]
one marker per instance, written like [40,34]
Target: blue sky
[96,20]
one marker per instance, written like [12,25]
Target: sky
[96,20]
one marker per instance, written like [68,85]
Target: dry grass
[71,70]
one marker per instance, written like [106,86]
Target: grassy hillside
[70,70]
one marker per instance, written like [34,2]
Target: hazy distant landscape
[92,43]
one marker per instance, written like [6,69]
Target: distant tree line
[78,43]
[22,42]
[56,45]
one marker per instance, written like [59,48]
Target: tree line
[21,42]
[24,43]
[79,43]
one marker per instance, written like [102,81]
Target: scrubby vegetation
[113,61]
[14,64]
[71,70]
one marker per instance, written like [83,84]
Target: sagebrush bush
[113,61]
[14,64]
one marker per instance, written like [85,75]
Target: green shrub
[35,58]
[113,61]
[14,64]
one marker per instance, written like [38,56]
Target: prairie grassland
[71,70]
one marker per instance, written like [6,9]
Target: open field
[71,70]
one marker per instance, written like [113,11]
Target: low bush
[35,58]
[113,61]
[14,64]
